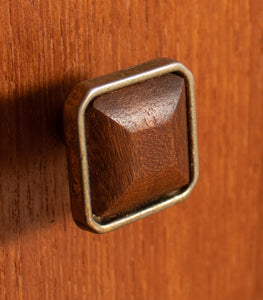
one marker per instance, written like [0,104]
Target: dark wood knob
[129,143]
[138,145]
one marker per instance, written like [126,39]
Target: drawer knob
[131,144]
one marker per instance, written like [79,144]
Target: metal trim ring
[166,66]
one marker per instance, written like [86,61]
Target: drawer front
[208,247]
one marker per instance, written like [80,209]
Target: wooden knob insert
[137,144]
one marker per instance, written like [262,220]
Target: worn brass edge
[118,80]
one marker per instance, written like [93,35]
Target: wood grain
[137,145]
[210,246]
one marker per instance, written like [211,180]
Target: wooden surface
[137,144]
[210,246]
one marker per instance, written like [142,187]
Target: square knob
[131,143]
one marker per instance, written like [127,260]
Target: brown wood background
[209,247]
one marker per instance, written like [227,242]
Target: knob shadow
[33,168]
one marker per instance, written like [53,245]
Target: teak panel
[210,246]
